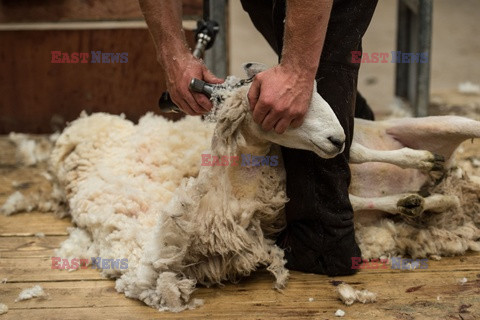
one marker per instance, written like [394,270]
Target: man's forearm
[164,19]
[305,29]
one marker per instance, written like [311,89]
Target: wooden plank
[69,294]
[28,224]
[22,253]
[67,10]
[32,262]
[26,180]
[28,259]
[29,247]
[7,156]
[142,312]
[85,25]
[39,269]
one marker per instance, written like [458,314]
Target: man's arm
[164,19]
[280,96]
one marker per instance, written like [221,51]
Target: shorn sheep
[139,192]
[214,227]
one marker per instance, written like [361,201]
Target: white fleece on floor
[30,293]
[349,295]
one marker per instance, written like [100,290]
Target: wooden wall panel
[38,96]
[79,10]
[33,91]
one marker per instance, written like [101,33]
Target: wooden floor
[25,260]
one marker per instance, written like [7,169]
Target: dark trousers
[319,236]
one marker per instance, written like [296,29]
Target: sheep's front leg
[408,204]
[404,158]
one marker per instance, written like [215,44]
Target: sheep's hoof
[437,172]
[411,206]
[432,163]
[438,163]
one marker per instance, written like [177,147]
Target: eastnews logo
[92,57]
[247,160]
[97,263]
[384,57]
[397,263]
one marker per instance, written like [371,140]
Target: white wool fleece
[121,184]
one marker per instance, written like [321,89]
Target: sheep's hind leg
[404,158]
[439,203]
[409,205]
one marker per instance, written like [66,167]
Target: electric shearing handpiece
[205,35]
[196,85]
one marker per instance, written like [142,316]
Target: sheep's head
[321,131]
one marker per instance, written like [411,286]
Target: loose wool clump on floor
[349,295]
[30,293]
[3,308]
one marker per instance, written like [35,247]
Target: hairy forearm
[305,29]
[164,20]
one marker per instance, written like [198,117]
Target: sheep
[138,192]
[214,227]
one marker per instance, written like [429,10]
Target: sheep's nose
[336,142]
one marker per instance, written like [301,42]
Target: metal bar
[403,32]
[206,10]
[424,46]
[412,79]
[216,57]
[414,35]
[413,5]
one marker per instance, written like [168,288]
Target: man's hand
[164,19]
[280,98]
[178,74]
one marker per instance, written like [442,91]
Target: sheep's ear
[315,86]
[252,68]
